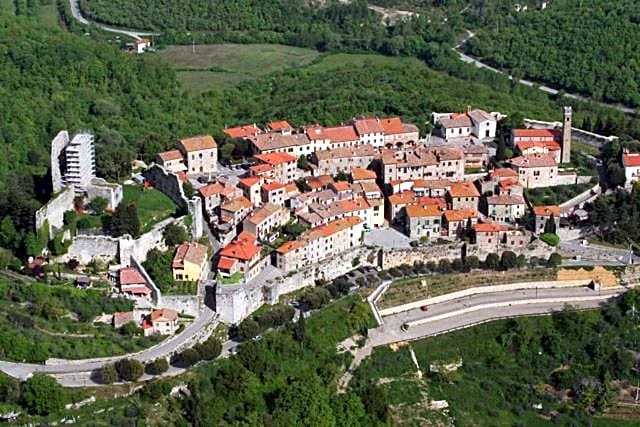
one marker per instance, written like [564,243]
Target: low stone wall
[54,210]
[156,295]
[581,135]
[565,179]
[586,196]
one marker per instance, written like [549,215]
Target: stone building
[429,163]
[423,221]
[265,220]
[344,159]
[201,154]
[506,207]
[536,170]
[543,214]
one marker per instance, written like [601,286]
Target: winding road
[469,311]
[549,90]
[136,34]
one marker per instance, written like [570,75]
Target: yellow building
[189,261]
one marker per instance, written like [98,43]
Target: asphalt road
[596,253]
[455,314]
[85,366]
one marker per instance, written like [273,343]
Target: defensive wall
[54,210]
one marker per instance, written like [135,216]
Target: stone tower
[566,135]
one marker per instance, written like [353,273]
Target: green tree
[129,369]
[188,357]
[492,261]
[187,188]
[303,163]
[555,259]
[157,367]
[97,205]
[210,349]
[508,260]
[248,329]
[174,234]
[348,410]
[300,328]
[375,402]
[42,395]
[108,374]
[550,225]
[304,403]
[131,329]
[315,298]
[125,220]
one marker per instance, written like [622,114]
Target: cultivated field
[225,65]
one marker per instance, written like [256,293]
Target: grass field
[153,205]
[555,195]
[225,65]
[407,290]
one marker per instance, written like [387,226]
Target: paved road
[136,34]
[549,90]
[475,309]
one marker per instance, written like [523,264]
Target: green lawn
[153,205]
[225,65]
[180,288]
[554,195]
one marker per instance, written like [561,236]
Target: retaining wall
[185,304]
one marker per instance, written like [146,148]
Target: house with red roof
[241,256]
[631,164]
[536,170]
[463,195]
[189,262]
[274,192]
[160,322]
[370,131]
[282,167]
[496,238]
[250,187]
[216,193]
[397,134]
[131,282]
[456,221]
[423,221]
[243,132]
[281,126]
[535,135]
[172,161]
[543,214]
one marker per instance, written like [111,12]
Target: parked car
[203,179]
[424,308]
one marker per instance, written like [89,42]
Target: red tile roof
[129,276]
[211,189]
[291,246]
[340,186]
[226,263]
[503,173]
[198,143]
[191,252]
[631,159]
[547,211]
[505,199]
[249,181]
[244,248]
[463,189]
[415,211]
[368,125]
[333,134]
[242,131]
[135,289]
[403,198]
[333,227]
[272,186]
[279,125]
[164,315]
[535,133]
[546,160]
[460,214]
[167,156]
[360,174]
[489,227]
[527,145]
[275,158]
[392,126]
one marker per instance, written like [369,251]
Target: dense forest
[587,47]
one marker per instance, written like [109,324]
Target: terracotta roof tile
[275,158]
[460,214]
[416,211]
[192,252]
[197,143]
[547,211]
[463,189]
[167,156]
[368,125]
[244,248]
[242,131]
[333,134]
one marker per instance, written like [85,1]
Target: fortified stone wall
[581,135]
[54,210]
[85,248]
[156,295]
[60,141]
[185,304]
[168,183]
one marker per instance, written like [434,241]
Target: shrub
[276,316]
[338,287]
[471,262]
[550,239]
[129,369]
[157,366]
[492,261]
